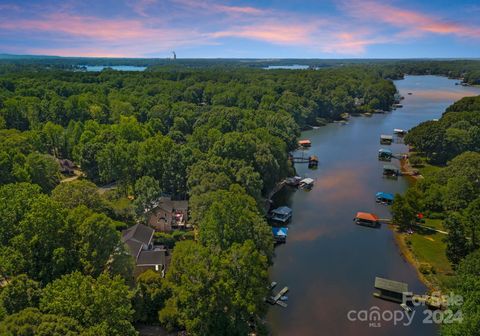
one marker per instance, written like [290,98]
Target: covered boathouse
[391,170]
[384,198]
[386,139]
[280,234]
[305,143]
[385,154]
[391,290]
[366,219]
[282,214]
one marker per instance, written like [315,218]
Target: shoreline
[409,257]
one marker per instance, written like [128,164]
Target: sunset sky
[241,29]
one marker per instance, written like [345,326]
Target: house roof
[390,285]
[385,195]
[135,247]
[139,232]
[280,231]
[151,257]
[136,237]
[367,216]
[168,205]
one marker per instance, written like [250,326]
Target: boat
[399,131]
[367,114]
[307,183]
[282,214]
[284,298]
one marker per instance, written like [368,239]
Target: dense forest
[468,70]
[217,137]
[451,193]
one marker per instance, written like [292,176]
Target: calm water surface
[289,67]
[98,68]
[328,262]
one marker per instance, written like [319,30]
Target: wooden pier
[276,299]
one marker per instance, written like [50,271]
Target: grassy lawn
[429,250]
[434,223]
[428,169]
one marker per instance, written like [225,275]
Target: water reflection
[328,262]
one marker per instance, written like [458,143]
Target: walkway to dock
[389,222]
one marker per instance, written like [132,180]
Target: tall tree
[457,245]
[103,302]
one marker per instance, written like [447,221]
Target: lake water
[98,68]
[328,262]
[289,67]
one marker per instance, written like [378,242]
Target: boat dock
[390,290]
[276,299]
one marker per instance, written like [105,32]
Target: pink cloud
[159,31]
[413,23]
[141,6]
[272,32]
[238,9]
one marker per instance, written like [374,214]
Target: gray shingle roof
[151,257]
[138,232]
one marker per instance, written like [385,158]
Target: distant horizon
[248,58]
[243,29]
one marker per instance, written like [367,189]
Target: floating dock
[276,298]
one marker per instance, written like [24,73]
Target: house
[67,167]
[138,239]
[357,102]
[168,214]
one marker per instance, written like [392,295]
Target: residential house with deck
[139,239]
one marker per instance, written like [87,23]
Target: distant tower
[174,55]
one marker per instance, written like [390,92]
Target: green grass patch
[434,223]
[428,169]
[429,250]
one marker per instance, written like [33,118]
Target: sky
[242,29]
